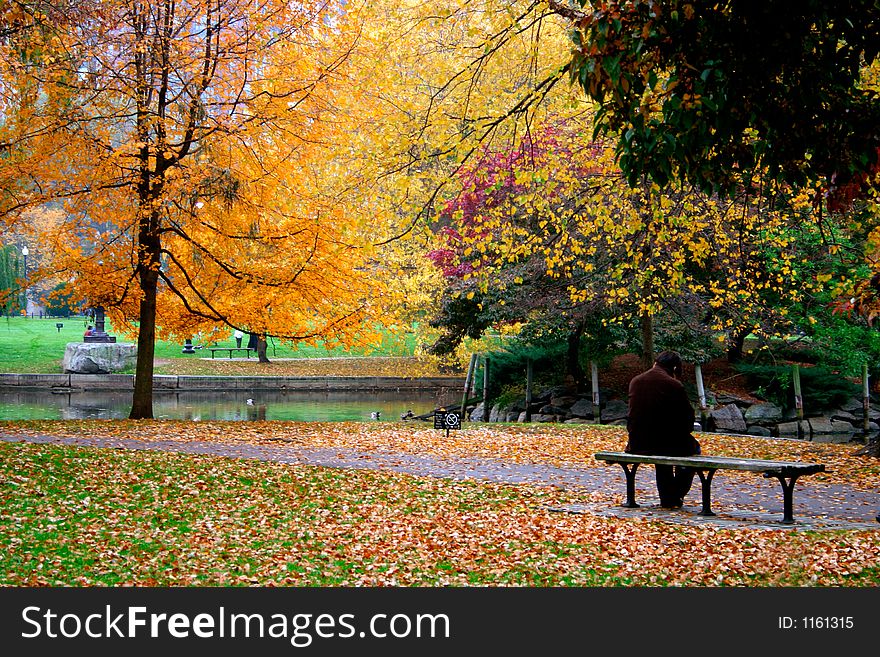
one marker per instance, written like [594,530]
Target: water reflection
[243,405]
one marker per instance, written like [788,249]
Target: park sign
[448,420]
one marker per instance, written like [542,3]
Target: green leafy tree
[10,275]
[713,92]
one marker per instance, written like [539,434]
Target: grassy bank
[37,346]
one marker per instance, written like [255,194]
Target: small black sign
[447,420]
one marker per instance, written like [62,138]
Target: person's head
[670,362]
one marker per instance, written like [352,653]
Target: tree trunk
[142,399]
[573,355]
[646,326]
[262,346]
[735,351]
[148,275]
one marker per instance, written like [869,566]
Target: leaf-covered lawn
[85,516]
[349,366]
[554,444]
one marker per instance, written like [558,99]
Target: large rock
[615,410]
[479,413]
[763,413]
[854,405]
[562,401]
[728,418]
[785,429]
[846,416]
[98,357]
[825,425]
[583,408]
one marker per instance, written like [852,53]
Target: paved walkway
[739,502]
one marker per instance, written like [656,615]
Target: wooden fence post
[798,398]
[701,394]
[597,405]
[486,388]
[468,382]
[530,374]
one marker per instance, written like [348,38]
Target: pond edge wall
[123,382]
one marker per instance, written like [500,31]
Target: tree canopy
[201,153]
[715,92]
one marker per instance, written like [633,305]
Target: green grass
[35,345]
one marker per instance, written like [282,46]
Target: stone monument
[99,334]
[99,353]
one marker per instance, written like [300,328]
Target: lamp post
[24,252]
[99,334]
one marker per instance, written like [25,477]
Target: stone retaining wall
[125,382]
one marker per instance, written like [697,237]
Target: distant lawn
[37,346]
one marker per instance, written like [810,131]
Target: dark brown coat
[661,418]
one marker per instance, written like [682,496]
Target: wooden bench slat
[787,472]
[718,462]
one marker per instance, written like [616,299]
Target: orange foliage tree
[197,149]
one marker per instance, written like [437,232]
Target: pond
[243,405]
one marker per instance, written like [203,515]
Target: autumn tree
[201,153]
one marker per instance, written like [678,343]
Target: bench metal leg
[787,490]
[706,485]
[630,484]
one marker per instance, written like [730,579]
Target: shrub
[822,389]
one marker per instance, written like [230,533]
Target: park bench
[787,472]
[246,350]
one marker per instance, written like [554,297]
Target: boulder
[854,405]
[479,413]
[615,410]
[791,429]
[98,357]
[562,401]
[825,425]
[582,408]
[758,430]
[726,398]
[763,413]
[846,416]
[728,418]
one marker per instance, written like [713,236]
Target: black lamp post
[99,335]
[24,253]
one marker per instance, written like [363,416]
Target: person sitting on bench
[660,422]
